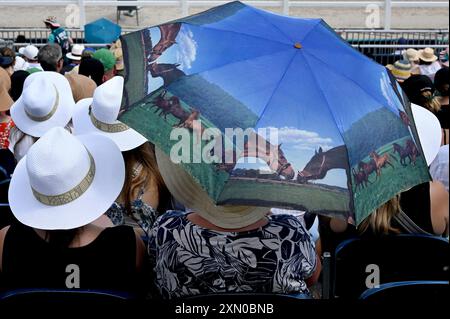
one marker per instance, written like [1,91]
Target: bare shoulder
[439,198]
[3,232]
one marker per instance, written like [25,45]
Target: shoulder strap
[409,225]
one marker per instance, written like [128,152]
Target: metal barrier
[184,5]
[383,46]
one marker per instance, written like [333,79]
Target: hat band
[106,127]
[71,195]
[49,115]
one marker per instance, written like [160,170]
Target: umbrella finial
[297,45]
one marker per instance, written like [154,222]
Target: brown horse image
[169,33]
[322,162]
[169,72]
[381,161]
[410,151]
[361,178]
[367,168]
[404,117]
[163,105]
[258,147]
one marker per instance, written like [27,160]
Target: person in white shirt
[30,54]
[428,63]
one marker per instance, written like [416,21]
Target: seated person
[57,193]
[220,249]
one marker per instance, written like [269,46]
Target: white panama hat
[65,182]
[99,115]
[46,102]
[429,131]
[188,192]
[76,52]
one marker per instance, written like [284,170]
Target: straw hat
[412,55]
[99,115]
[429,131]
[400,69]
[65,182]
[5,85]
[46,102]
[116,49]
[183,187]
[427,55]
[76,52]
[52,21]
[82,86]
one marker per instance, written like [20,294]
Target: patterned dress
[189,260]
[4,133]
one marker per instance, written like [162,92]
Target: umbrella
[318,120]
[102,31]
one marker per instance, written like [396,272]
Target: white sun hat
[46,102]
[76,52]
[189,193]
[30,52]
[99,115]
[429,131]
[65,182]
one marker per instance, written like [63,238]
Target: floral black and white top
[191,260]
[142,214]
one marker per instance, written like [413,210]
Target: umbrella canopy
[320,121]
[102,31]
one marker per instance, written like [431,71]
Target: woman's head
[442,81]
[380,221]
[65,182]
[141,170]
[189,193]
[421,91]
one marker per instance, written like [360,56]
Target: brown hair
[430,101]
[145,155]
[380,221]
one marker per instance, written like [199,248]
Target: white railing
[184,5]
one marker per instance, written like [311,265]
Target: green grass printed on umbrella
[391,180]
[310,197]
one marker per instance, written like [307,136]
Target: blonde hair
[431,102]
[380,221]
[143,155]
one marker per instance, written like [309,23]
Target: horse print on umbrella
[169,72]
[410,151]
[322,162]
[258,147]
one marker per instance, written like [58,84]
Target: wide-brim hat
[62,112]
[82,86]
[401,70]
[429,131]
[76,52]
[102,191]
[427,55]
[183,188]
[5,85]
[106,100]
[52,21]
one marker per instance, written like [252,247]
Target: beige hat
[82,86]
[412,55]
[5,85]
[183,187]
[427,55]
[116,49]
